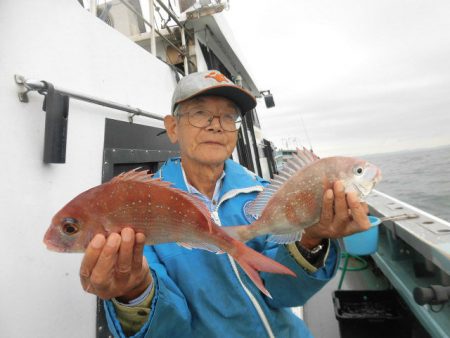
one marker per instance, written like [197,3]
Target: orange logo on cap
[217,76]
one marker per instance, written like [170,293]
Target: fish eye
[358,170]
[70,226]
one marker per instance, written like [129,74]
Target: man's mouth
[213,142]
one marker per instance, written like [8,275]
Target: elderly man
[168,291]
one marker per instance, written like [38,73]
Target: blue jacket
[201,294]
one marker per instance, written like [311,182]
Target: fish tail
[252,262]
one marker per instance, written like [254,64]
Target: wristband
[139,299]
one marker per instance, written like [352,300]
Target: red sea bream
[293,200]
[151,206]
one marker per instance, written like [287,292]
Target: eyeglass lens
[203,118]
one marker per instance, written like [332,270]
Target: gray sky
[364,76]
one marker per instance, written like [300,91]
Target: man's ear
[171,127]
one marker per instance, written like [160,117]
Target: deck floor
[318,312]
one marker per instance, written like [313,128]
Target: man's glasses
[203,118]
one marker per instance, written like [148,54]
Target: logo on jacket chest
[250,218]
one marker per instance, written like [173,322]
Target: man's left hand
[342,215]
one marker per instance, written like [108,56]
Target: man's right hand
[115,267]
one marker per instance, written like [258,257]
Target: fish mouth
[56,248]
[378,177]
[49,241]
[53,247]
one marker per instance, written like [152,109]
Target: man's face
[210,145]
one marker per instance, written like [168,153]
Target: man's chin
[213,158]
[214,161]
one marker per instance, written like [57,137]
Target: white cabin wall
[62,43]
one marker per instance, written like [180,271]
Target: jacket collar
[236,176]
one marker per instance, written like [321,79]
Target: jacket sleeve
[289,291]
[168,302]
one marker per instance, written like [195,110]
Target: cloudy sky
[361,76]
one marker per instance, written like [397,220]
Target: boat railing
[414,254]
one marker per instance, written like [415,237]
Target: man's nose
[214,123]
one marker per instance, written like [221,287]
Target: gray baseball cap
[212,82]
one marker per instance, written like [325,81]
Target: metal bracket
[29,86]
[23,91]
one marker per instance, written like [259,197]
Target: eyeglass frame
[177,113]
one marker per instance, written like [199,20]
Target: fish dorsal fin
[297,162]
[140,176]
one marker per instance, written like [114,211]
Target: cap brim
[240,96]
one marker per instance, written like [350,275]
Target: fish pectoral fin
[204,246]
[285,238]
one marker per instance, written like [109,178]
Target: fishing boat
[84,88]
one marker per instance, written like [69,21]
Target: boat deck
[319,313]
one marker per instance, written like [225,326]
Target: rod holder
[56,107]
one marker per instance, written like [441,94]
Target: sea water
[418,177]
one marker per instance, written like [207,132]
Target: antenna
[306,132]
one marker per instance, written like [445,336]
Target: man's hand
[342,215]
[115,267]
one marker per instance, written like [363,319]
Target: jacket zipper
[256,305]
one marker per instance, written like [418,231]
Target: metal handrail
[42,86]
[152,27]
[131,8]
[173,16]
